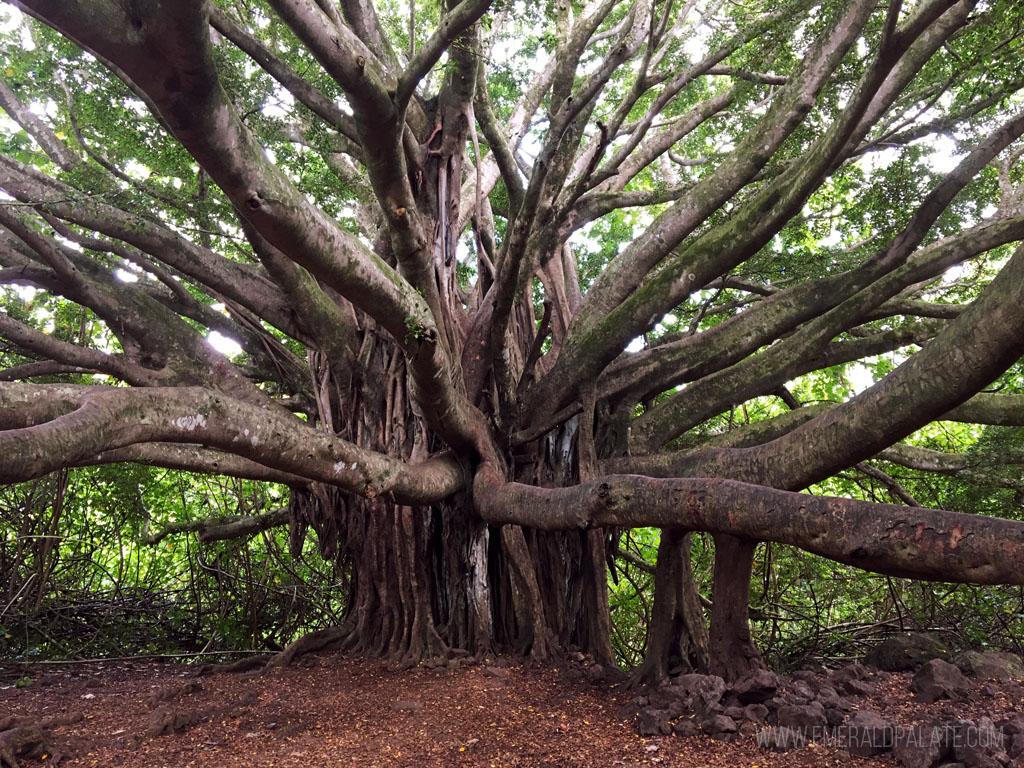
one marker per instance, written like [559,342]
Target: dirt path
[342,712]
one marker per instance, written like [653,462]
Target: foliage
[80,582]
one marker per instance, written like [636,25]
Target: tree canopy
[487,283]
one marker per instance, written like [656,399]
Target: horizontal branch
[884,538]
[916,457]
[220,528]
[193,458]
[53,426]
[986,408]
[41,368]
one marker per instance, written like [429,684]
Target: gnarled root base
[678,635]
[319,640]
[734,655]
[30,738]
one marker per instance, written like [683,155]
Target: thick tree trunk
[677,638]
[733,652]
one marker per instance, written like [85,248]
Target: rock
[653,722]
[828,696]
[755,713]
[748,728]
[808,720]
[615,676]
[719,725]
[685,728]
[801,689]
[1013,724]
[868,734]
[631,708]
[938,679]
[858,687]
[989,734]
[991,665]
[703,691]
[975,757]
[736,713]
[759,687]
[906,652]
[834,717]
[1016,745]
[787,699]
[499,673]
[852,671]
[922,746]
[976,744]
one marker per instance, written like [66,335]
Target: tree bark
[677,637]
[733,652]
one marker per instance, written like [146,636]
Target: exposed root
[28,738]
[247,664]
[319,640]
[165,695]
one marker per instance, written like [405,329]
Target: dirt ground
[335,711]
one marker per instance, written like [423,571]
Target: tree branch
[85,421]
[885,538]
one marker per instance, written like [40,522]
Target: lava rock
[801,689]
[748,728]
[719,725]
[757,688]
[704,691]
[922,746]
[1016,745]
[828,696]
[685,728]
[868,734]
[834,717]
[906,652]
[991,665]
[806,717]
[653,722]
[853,671]
[938,679]
[978,745]
[1013,724]
[858,687]
[806,675]
[755,713]
[631,708]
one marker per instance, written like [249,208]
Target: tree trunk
[733,652]
[677,638]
